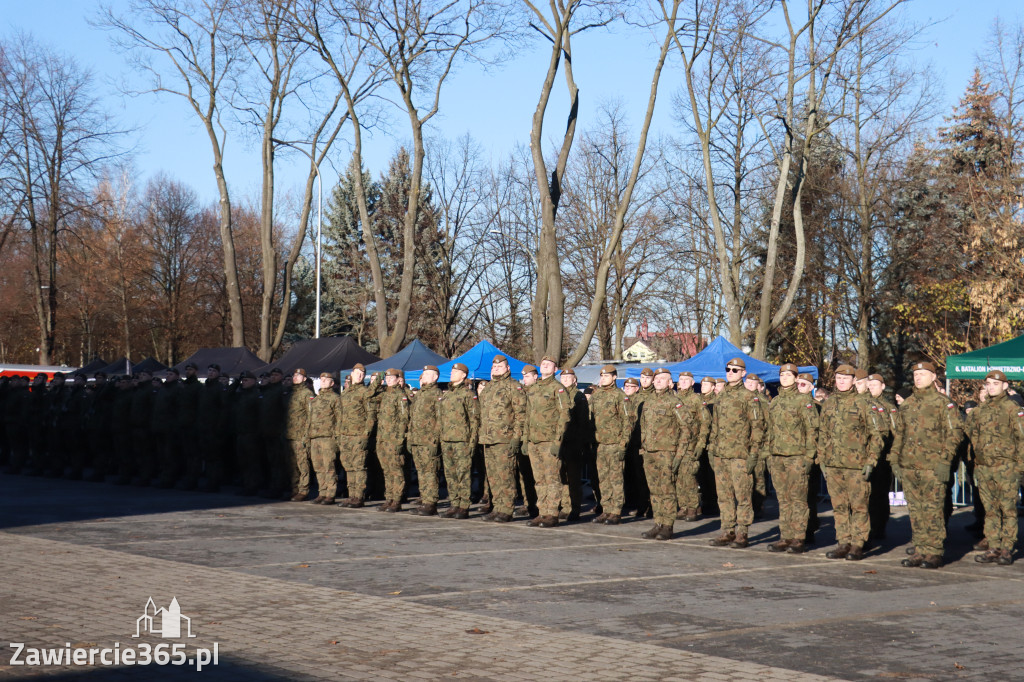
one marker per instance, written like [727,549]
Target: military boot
[911,550]
[599,519]
[664,533]
[318,499]
[394,506]
[489,516]
[352,503]
[989,557]
[327,501]
[547,521]
[723,539]
[682,514]
[839,552]
[741,541]
[929,561]
[299,497]
[856,553]
[981,545]
[461,513]
[692,515]
[796,547]
[912,561]
[501,517]
[384,507]
[780,546]
[425,510]
[612,520]
[1005,557]
[450,514]
[652,533]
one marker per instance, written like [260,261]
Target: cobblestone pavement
[298,591]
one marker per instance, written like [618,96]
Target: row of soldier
[536,436]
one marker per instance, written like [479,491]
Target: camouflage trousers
[547,470]
[527,484]
[790,477]
[352,453]
[500,461]
[997,482]
[926,495]
[610,462]
[427,460]
[571,500]
[849,492]
[687,488]
[322,452]
[392,462]
[660,469]
[458,464]
[735,487]
[299,466]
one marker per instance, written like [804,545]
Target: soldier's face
[428,377]
[212,375]
[685,383]
[646,380]
[357,376]
[391,380]
[190,372]
[501,369]
[275,377]
[630,389]
[875,388]
[547,368]
[326,382]
[844,382]
[298,378]
[606,379]
[662,382]
[993,387]
[707,386]
[529,379]
[923,378]
[861,384]
[804,386]
[734,375]
[458,376]
[719,387]
[248,382]
[750,384]
[567,379]
[786,379]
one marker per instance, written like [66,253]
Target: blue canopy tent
[711,362]
[410,359]
[477,359]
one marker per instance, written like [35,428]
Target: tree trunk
[232,290]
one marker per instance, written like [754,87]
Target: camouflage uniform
[325,413]
[996,430]
[502,405]
[612,425]
[635,491]
[848,440]
[358,418]
[392,423]
[791,440]
[881,478]
[576,444]
[668,432]
[299,405]
[923,449]
[737,429]
[459,414]
[424,440]
[547,416]
[688,491]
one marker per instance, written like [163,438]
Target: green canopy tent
[1007,357]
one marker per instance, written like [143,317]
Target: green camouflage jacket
[737,424]
[459,413]
[666,425]
[609,417]
[424,418]
[848,436]
[578,431]
[393,416]
[359,409]
[547,412]
[930,431]
[695,404]
[325,415]
[996,430]
[502,407]
[299,399]
[792,420]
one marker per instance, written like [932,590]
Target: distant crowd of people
[653,448]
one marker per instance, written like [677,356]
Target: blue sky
[494,107]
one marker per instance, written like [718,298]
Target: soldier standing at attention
[324,421]
[296,430]
[881,477]
[547,416]
[667,434]
[191,454]
[424,439]
[141,419]
[923,448]
[502,407]
[791,441]
[612,426]
[753,383]
[848,447]
[996,430]
[575,450]
[524,472]
[459,413]
[358,417]
[805,385]
[248,445]
[209,415]
[635,492]
[392,425]
[737,429]
[688,492]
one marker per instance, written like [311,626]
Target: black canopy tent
[329,354]
[232,361]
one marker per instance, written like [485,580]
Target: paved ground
[297,591]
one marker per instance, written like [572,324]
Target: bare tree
[199,60]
